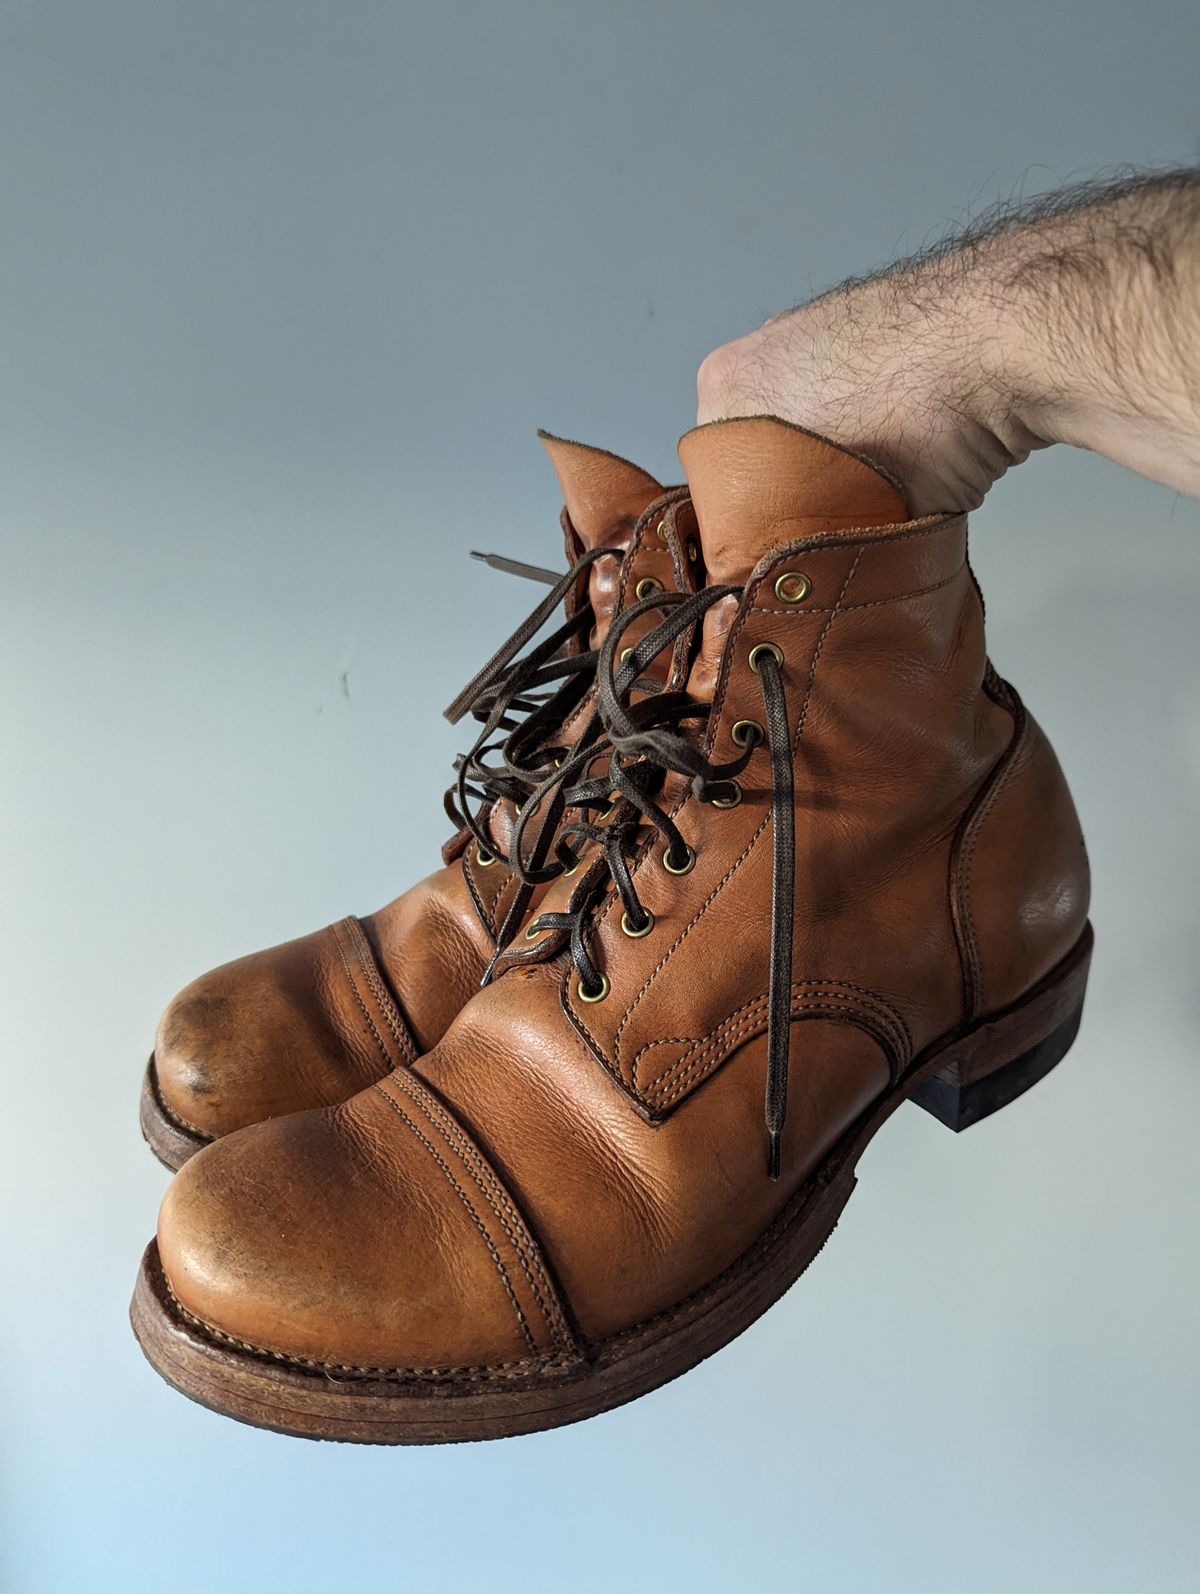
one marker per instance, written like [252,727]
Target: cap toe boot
[308,1023]
[843,871]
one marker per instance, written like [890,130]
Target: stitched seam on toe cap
[520,1369]
[392,1016]
[471,1213]
[498,1199]
[389,1061]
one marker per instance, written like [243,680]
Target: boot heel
[1004,1056]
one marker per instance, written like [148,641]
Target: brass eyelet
[485,860]
[793,586]
[533,930]
[636,935]
[693,552]
[597,995]
[756,653]
[626,653]
[688,866]
[746,733]
[732,800]
[661,529]
[647,586]
[574,869]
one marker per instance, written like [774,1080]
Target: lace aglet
[458,708]
[774,1153]
[518,567]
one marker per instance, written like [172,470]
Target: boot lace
[522,701]
[645,743]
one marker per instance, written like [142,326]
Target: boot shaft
[939,866]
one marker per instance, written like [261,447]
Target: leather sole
[961,1079]
[171,1142]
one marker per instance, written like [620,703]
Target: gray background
[286,290]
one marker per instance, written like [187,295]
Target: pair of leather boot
[752,847]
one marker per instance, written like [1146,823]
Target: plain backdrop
[285,290]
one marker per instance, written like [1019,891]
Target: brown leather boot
[845,871]
[309,1023]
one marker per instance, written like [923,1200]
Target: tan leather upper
[554,1172]
[308,1023]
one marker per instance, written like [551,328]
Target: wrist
[905,369]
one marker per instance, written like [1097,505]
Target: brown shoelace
[522,702]
[645,744]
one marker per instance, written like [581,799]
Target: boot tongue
[758,484]
[605,497]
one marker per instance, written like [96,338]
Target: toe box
[366,1236]
[277,1032]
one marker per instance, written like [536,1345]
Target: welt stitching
[497,1198]
[474,1216]
[752,1016]
[478,1371]
[171,1115]
[751,1012]
[875,603]
[383,996]
[520,1369]
[753,842]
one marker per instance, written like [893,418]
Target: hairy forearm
[1074,320]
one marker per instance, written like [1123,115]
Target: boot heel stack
[1000,1059]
